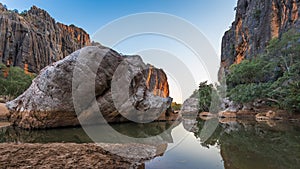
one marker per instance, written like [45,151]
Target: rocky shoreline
[263,114]
[69,155]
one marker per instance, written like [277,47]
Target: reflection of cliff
[252,145]
[116,152]
[260,149]
[78,135]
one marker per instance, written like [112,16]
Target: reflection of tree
[256,145]
[17,135]
[269,149]
[213,139]
[143,130]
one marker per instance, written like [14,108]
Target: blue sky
[211,17]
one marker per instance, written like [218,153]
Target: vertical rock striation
[33,39]
[256,23]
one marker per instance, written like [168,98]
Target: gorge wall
[33,39]
[256,23]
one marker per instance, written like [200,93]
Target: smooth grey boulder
[91,79]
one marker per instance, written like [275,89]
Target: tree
[204,92]
[247,93]
[24,12]
[175,106]
[285,50]
[273,76]
[15,83]
[15,11]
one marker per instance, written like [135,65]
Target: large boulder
[190,107]
[122,88]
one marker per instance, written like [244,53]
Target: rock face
[33,39]
[256,23]
[190,107]
[49,100]
[3,112]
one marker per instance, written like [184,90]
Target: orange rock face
[157,82]
[34,39]
[256,23]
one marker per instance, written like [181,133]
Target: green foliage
[23,13]
[175,106]
[247,72]
[287,89]
[204,96]
[15,83]
[209,98]
[246,93]
[274,75]
[15,11]
[284,52]
[2,67]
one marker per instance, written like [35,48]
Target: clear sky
[211,17]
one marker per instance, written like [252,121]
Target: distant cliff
[256,23]
[33,39]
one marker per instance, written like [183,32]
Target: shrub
[273,76]
[15,11]
[15,83]
[175,106]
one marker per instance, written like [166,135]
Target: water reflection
[248,144]
[233,145]
[78,135]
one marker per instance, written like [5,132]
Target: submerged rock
[94,78]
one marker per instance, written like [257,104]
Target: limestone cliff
[256,23]
[33,39]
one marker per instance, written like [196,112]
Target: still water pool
[231,145]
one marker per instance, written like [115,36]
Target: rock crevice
[33,39]
[49,101]
[256,23]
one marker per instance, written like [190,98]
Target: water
[234,145]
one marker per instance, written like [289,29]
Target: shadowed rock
[256,23]
[32,40]
[139,93]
